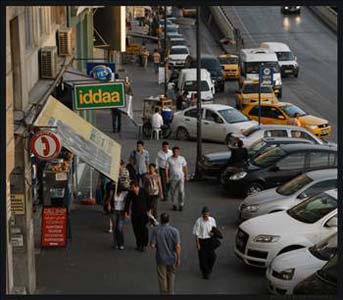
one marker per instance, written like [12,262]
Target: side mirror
[219,121]
[274,169]
[332,222]
[302,196]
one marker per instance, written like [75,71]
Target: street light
[165,53]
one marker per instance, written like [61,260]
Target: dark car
[323,282]
[212,64]
[277,166]
[290,9]
[213,164]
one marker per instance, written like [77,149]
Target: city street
[89,264]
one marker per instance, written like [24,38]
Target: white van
[250,62]
[287,60]
[187,82]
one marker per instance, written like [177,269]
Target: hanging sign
[46,145]
[101,71]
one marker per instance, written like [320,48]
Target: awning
[83,139]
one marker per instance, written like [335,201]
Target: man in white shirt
[156,119]
[202,231]
[177,174]
[161,164]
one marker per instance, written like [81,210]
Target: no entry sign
[54,227]
[46,145]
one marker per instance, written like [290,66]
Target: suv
[277,166]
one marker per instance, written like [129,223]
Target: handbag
[215,243]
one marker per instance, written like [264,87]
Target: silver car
[288,194]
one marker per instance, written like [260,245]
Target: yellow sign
[17,204]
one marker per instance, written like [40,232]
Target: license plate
[288,71]
[325,131]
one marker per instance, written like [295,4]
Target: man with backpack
[139,159]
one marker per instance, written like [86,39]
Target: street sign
[266,76]
[46,145]
[17,204]
[98,96]
[54,227]
[101,71]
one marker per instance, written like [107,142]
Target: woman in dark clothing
[239,155]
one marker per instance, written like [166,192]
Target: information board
[54,227]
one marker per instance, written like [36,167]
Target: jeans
[116,121]
[177,192]
[117,218]
[165,185]
[166,279]
[140,230]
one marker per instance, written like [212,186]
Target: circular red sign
[46,145]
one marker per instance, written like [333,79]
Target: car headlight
[297,7]
[286,274]
[238,176]
[277,82]
[312,126]
[286,7]
[251,208]
[264,238]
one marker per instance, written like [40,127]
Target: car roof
[215,106]
[228,55]
[258,54]
[286,139]
[179,47]
[276,104]
[280,126]
[276,46]
[319,174]
[296,147]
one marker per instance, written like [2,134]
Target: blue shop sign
[101,71]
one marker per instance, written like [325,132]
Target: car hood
[312,120]
[254,96]
[238,127]
[287,62]
[234,170]
[300,259]
[218,155]
[279,223]
[263,197]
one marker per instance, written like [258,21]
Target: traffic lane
[315,90]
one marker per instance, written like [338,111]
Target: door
[190,121]
[213,126]
[272,115]
[318,160]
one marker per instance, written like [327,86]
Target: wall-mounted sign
[17,240]
[54,227]
[17,204]
[98,96]
[101,71]
[46,145]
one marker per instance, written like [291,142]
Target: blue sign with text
[266,76]
[101,71]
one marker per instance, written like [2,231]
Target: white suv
[260,239]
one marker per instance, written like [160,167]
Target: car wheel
[182,134]
[253,188]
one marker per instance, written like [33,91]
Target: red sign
[46,145]
[54,227]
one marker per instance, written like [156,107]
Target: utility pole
[199,146]
[165,53]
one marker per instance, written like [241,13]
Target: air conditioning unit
[64,41]
[48,62]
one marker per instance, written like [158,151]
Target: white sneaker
[110,231]
[121,248]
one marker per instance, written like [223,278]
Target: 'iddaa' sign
[97,96]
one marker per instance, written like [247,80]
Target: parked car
[288,269]
[283,112]
[213,164]
[252,134]
[278,165]
[260,239]
[288,194]
[323,282]
[177,56]
[249,94]
[290,9]
[230,65]
[217,122]
[172,33]
[177,42]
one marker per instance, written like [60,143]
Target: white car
[288,269]
[218,121]
[260,239]
[178,55]
[288,194]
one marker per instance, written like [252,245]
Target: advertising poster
[54,227]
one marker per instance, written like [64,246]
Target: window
[254,111]
[212,117]
[291,110]
[192,113]
[303,135]
[276,133]
[318,187]
[319,159]
[292,161]
[233,116]
[270,112]
[28,19]
[332,159]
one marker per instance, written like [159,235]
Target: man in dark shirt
[138,202]
[181,101]
[239,155]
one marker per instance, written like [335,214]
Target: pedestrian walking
[117,215]
[202,231]
[140,160]
[124,176]
[116,119]
[109,189]
[177,174]
[157,60]
[128,96]
[152,184]
[161,164]
[145,55]
[166,240]
[137,206]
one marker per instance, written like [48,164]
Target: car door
[286,168]
[190,121]
[272,115]
[329,225]
[318,160]
[213,126]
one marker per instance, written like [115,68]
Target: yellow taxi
[249,94]
[230,65]
[283,113]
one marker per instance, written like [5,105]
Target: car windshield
[326,249]
[283,56]
[178,42]
[257,146]
[211,64]
[191,86]
[171,29]
[294,185]
[250,130]
[232,115]
[266,158]
[253,67]
[313,209]
[228,60]
[253,89]
[178,51]
[290,110]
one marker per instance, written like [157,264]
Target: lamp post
[165,53]
[199,146]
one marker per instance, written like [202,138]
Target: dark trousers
[140,230]
[117,219]
[207,256]
[165,185]
[116,121]
[154,204]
